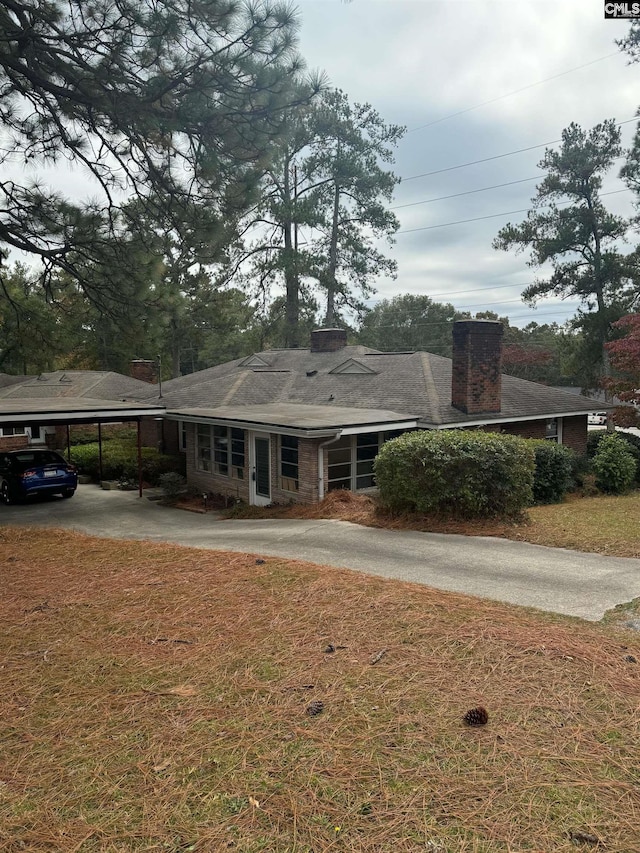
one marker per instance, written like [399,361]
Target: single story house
[294,424]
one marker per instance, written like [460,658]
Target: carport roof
[73,409]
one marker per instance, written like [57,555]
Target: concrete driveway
[569,582]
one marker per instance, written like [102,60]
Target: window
[552,430]
[203,447]
[350,460]
[220,450]
[366,452]
[339,463]
[18,430]
[237,453]
[289,463]
[182,436]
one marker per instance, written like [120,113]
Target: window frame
[289,482]
[550,435]
[227,451]
[359,469]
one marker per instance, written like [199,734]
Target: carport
[65,411]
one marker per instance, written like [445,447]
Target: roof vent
[311,372]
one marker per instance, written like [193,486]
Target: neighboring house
[292,425]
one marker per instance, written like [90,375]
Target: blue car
[28,472]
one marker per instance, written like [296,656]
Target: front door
[260,469]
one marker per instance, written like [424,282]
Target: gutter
[321,448]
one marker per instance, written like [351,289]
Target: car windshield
[42,457]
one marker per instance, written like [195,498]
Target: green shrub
[554,471]
[172,484]
[120,461]
[457,472]
[632,442]
[614,465]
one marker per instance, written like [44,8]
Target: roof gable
[254,361]
[352,366]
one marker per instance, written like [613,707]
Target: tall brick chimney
[328,340]
[143,369]
[476,380]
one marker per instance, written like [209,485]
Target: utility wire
[467,192]
[477,289]
[495,156]
[515,92]
[491,215]
[462,310]
[471,192]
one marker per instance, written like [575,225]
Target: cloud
[420,61]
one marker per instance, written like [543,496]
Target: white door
[260,461]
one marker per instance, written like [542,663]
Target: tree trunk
[292,284]
[332,265]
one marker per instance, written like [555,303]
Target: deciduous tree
[409,322]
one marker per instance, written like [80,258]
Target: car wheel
[68,493]
[6,494]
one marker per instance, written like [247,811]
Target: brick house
[292,425]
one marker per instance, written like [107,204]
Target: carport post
[100,450]
[68,443]
[139,461]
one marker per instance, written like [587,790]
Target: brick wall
[143,369]
[307,473]
[328,340]
[526,429]
[235,488]
[151,433]
[205,482]
[574,433]
[476,378]
[13,442]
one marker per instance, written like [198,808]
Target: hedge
[457,472]
[120,461]
[632,442]
[553,474]
[614,465]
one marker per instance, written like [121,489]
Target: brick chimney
[476,380]
[328,340]
[143,369]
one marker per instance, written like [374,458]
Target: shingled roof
[93,384]
[408,384]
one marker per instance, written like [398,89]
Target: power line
[475,289]
[471,192]
[515,92]
[495,156]
[467,192]
[552,313]
[490,216]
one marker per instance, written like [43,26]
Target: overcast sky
[433,65]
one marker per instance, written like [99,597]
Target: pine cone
[315,708]
[476,716]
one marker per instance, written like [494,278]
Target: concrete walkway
[569,582]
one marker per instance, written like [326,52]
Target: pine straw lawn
[154,699]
